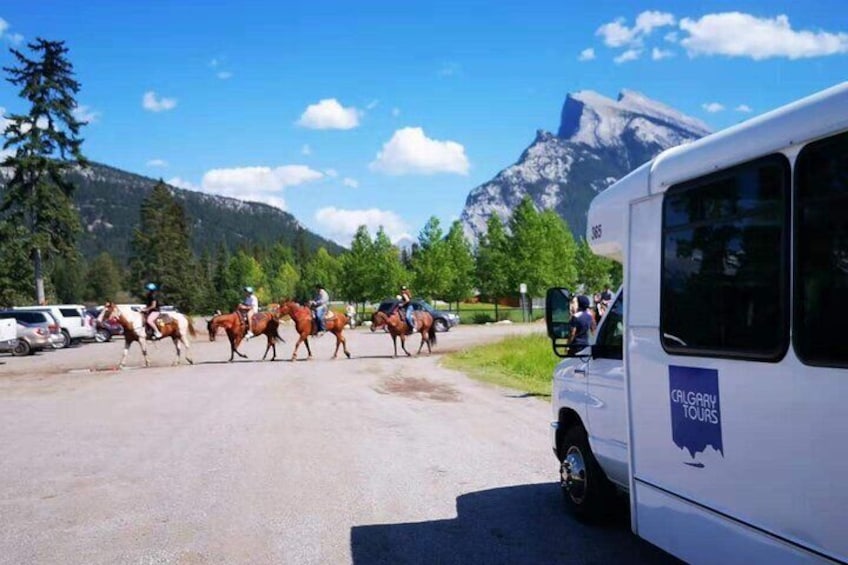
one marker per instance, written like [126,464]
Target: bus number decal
[597,231]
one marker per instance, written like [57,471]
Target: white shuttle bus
[731,432]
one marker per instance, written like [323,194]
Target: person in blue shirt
[581,325]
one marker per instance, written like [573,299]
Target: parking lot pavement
[367,460]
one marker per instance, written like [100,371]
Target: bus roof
[795,124]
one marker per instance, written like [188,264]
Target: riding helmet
[150,286]
[403,287]
[248,289]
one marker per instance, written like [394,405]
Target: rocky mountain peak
[599,140]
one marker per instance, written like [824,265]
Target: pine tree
[46,144]
[359,270]
[15,266]
[161,251]
[103,278]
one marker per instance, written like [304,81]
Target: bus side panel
[695,533]
[771,460]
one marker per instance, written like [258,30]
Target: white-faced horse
[170,324]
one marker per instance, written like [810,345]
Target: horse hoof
[348,354]
[190,362]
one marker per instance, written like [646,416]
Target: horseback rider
[319,304]
[248,308]
[406,304]
[151,310]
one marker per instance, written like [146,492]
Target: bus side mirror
[557,316]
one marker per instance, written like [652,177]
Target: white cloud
[671,37]
[4,25]
[660,54]
[183,183]
[306,150]
[40,123]
[649,20]
[395,112]
[153,103]
[373,104]
[224,75]
[85,114]
[586,55]
[257,184]
[332,173]
[329,114]
[214,63]
[736,34]
[157,163]
[629,55]
[618,34]
[744,108]
[352,183]
[4,123]
[340,225]
[15,38]
[257,179]
[712,107]
[410,151]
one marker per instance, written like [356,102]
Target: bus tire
[586,491]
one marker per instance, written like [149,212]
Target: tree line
[39,227]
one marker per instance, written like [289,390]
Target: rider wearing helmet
[319,304]
[248,307]
[151,308]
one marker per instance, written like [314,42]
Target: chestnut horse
[396,322]
[263,323]
[170,324]
[304,324]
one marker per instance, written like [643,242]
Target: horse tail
[431,334]
[191,331]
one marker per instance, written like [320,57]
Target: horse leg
[403,345]
[177,345]
[267,347]
[296,346]
[308,349]
[124,356]
[142,342]
[394,342]
[421,345]
[187,348]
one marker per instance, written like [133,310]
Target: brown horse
[396,322]
[171,324]
[304,324]
[263,323]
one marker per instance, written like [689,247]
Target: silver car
[38,330]
[30,338]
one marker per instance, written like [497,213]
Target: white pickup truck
[589,427]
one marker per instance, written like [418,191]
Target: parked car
[442,321]
[104,330]
[72,321]
[35,331]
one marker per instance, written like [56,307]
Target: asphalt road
[367,460]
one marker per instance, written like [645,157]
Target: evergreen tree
[45,143]
[461,261]
[67,275]
[16,270]
[103,278]
[221,280]
[161,251]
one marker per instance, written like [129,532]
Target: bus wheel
[587,492]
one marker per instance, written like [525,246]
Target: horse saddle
[330,315]
[164,320]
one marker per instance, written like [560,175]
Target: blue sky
[345,113]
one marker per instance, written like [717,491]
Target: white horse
[133,323]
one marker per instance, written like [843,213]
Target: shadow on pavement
[519,524]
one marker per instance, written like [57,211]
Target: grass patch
[524,363]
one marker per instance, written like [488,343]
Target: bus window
[725,263]
[821,252]
[611,337]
